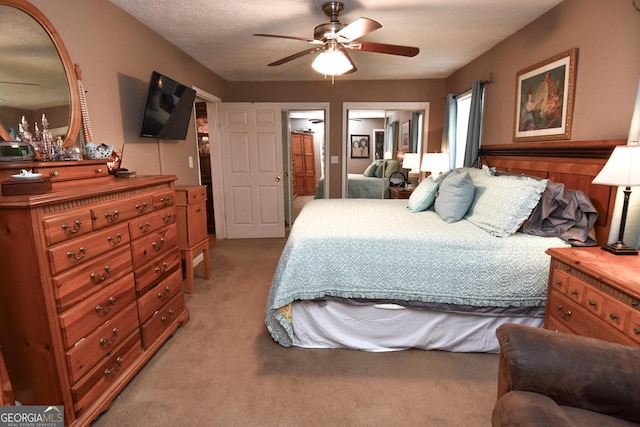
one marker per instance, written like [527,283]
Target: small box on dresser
[594,293]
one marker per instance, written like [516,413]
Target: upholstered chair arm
[573,371]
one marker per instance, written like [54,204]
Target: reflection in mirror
[390,135]
[36,76]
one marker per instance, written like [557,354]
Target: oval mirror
[37,76]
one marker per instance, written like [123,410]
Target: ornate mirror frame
[75,115]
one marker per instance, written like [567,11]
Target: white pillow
[502,203]
[424,195]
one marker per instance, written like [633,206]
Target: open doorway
[204,155]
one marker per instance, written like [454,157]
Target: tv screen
[168,108]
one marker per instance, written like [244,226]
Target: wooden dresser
[91,287]
[303,161]
[594,293]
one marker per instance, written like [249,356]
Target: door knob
[278,179]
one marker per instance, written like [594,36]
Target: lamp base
[619,249]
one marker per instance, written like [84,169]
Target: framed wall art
[405,134]
[544,99]
[360,146]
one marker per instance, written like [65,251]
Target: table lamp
[436,163]
[411,161]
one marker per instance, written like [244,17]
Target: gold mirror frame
[74,98]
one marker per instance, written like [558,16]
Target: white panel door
[251,153]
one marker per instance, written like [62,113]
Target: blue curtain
[474,132]
[448,144]
[415,130]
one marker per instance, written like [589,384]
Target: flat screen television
[168,109]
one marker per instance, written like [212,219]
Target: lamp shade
[622,169]
[332,62]
[411,161]
[436,163]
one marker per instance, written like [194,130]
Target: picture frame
[405,135]
[360,146]
[378,141]
[544,99]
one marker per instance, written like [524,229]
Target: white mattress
[390,327]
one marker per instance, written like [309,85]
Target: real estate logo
[31,416]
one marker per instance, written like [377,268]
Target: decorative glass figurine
[48,148]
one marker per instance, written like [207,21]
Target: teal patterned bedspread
[360,187]
[378,249]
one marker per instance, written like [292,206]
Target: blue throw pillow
[424,195]
[371,169]
[455,195]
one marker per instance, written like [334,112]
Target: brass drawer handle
[564,315]
[99,171]
[115,240]
[165,200]
[79,256]
[573,292]
[72,229]
[164,294]
[97,278]
[592,303]
[557,282]
[157,246]
[162,269]
[115,368]
[167,218]
[636,331]
[112,217]
[55,174]
[141,207]
[99,308]
[164,318]
[112,340]
[145,227]
[613,316]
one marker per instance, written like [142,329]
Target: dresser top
[620,271]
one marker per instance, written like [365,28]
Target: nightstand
[400,192]
[594,293]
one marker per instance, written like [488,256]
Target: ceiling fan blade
[296,55]
[390,49]
[290,37]
[357,29]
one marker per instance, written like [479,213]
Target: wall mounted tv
[168,109]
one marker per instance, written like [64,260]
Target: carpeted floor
[223,369]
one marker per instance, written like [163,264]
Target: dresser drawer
[163,200]
[121,210]
[101,377]
[74,170]
[616,313]
[155,244]
[74,285]
[559,280]
[594,302]
[156,270]
[162,320]
[633,329]
[186,195]
[66,226]
[91,349]
[142,226]
[80,250]
[193,224]
[159,294]
[97,309]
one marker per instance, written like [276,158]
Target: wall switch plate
[334,160]
[191,161]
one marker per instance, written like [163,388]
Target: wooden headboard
[573,163]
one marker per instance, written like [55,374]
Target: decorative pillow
[455,196]
[371,169]
[424,195]
[380,169]
[391,167]
[502,203]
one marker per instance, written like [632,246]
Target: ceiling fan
[334,38]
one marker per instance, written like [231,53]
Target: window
[463,102]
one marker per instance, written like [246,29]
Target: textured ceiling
[219,34]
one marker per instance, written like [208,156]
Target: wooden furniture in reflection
[6,391]
[91,287]
[594,293]
[400,192]
[192,228]
[303,158]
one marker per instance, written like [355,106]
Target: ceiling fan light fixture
[332,63]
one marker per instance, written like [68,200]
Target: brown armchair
[548,378]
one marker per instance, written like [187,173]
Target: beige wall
[607,35]
[117,55]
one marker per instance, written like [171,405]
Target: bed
[360,187]
[372,275]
